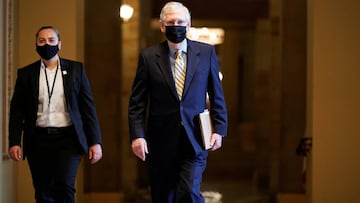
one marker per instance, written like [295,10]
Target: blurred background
[290,70]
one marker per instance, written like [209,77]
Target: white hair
[173,5]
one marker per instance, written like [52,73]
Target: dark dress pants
[54,158]
[177,179]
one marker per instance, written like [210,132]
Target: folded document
[206,128]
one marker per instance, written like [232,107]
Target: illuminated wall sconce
[126,12]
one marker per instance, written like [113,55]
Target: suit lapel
[163,63]
[165,67]
[66,74]
[192,63]
[35,80]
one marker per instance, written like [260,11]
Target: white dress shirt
[53,112]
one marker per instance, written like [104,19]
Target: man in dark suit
[53,112]
[167,97]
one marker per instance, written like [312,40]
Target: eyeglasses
[175,22]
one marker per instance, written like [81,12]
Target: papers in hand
[206,128]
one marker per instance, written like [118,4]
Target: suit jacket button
[181,123]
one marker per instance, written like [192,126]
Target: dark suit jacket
[79,103]
[154,92]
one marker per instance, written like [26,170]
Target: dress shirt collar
[42,64]
[181,46]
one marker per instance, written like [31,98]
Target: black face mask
[175,34]
[47,51]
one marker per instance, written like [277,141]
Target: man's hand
[139,148]
[15,153]
[95,153]
[216,142]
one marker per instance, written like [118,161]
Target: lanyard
[50,93]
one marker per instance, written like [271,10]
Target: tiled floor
[231,192]
[236,191]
